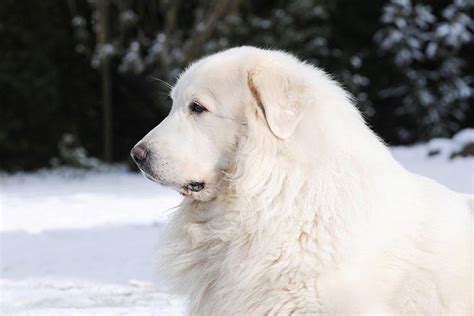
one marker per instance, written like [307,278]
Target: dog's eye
[197,108]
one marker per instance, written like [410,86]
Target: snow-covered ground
[83,242]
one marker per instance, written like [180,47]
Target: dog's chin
[153,178]
[159,181]
[207,193]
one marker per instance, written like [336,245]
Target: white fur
[305,211]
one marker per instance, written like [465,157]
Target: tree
[47,89]
[105,51]
[433,85]
[140,46]
[62,75]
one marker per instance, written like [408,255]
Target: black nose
[138,154]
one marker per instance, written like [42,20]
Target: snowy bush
[407,62]
[461,145]
[72,154]
[434,83]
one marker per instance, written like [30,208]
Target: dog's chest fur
[312,255]
[229,262]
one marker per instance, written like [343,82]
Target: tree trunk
[103,38]
[107,109]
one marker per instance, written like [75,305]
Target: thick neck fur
[214,247]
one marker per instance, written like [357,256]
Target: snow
[132,61]
[79,21]
[456,174]
[84,242]
[464,137]
[36,202]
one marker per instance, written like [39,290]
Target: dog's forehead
[210,73]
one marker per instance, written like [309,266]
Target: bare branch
[222,8]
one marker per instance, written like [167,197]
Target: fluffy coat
[317,217]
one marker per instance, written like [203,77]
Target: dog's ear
[278,93]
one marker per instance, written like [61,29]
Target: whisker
[163,82]
[183,203]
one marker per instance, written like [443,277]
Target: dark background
[83,79]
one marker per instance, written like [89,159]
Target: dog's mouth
[187,189]
[191,188]
[194,186]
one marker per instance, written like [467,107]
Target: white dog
[293,205]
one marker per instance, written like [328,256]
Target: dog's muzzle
[194,186]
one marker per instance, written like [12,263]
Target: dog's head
[213,103]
